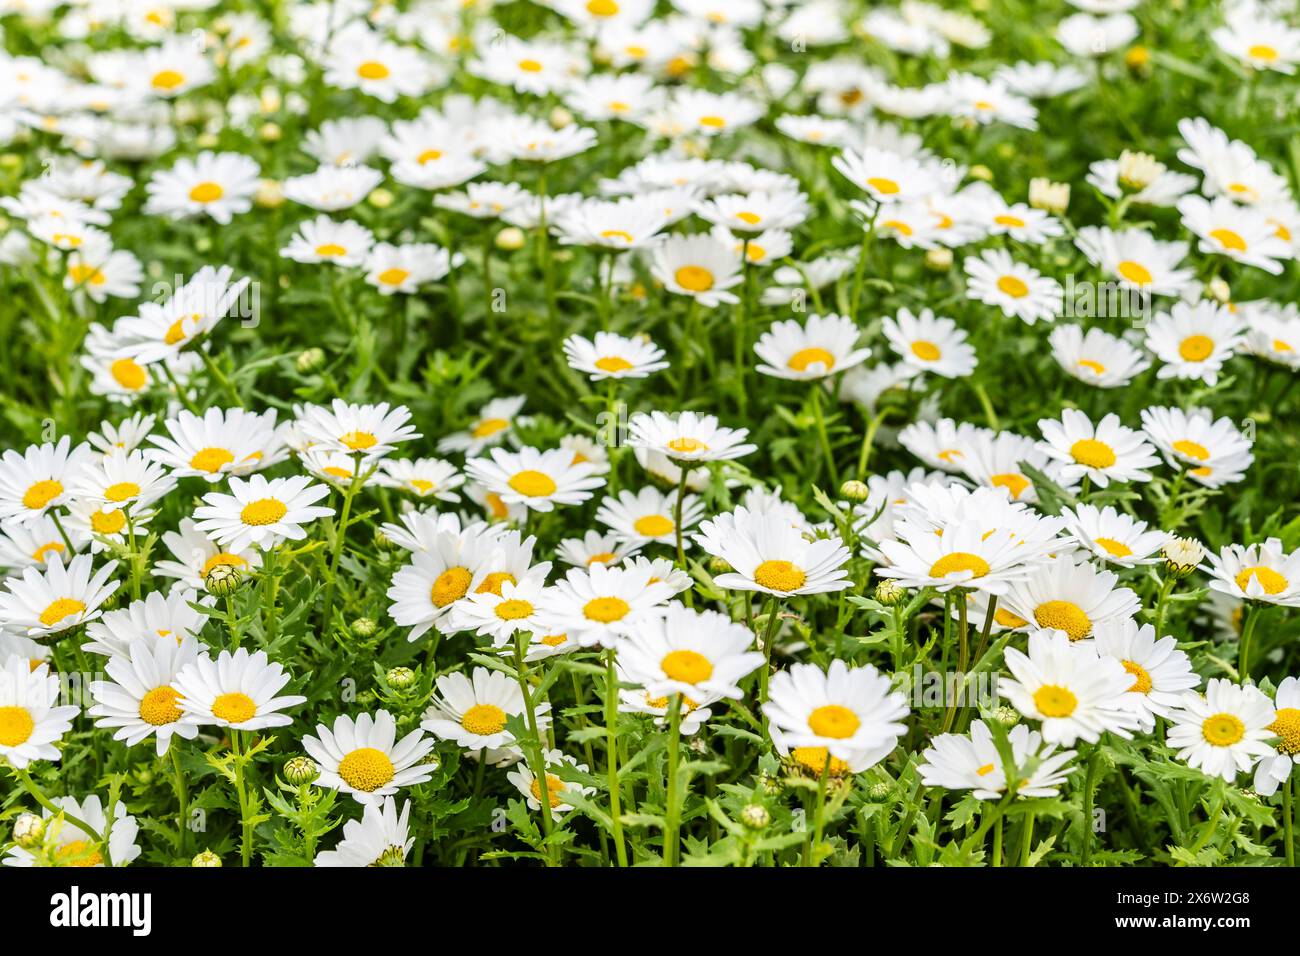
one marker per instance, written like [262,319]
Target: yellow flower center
[1012,481]
[602,8]
[372,70]
[489,426]
[159,707]
[1095,367]
[653,526]
[211,460]
[834,721]
[1196,348]
[958,562]
[1191,449]
[366,769]
[450,586]
[687,445]
[533,484]
[223,558]
[422,485]
[1114,547]
[1141,679]
[694,278]
[750,218]
[606,610]
[166,80]
[129,373]
[207,192]
[554,787]
[16,725]
[59,609]
[530,66]
[234,708]
[1271,581]
[1064,616]
[492,582]
[1223,730]
[1010,285]
[513,609]
[1229,239]
[484,720]
[1053,700]
[800,361]
[603,558]
[330,250]
[689,667]
[78,853]
[898,226]
[175,332]
[1286,725]
[713,122]
[1134,272]
[41,493]
[121,491]
[882,185]
[1092,453]
[926,351]
[1007,619]
[263,511]
[1262,51]
[358,441]
[555,640]
[50,547]
[1014,222]
[80,274]
[429,156]
[985,770]
[814,759]
[108,522]
[393,276]
[780,576]
[613,363]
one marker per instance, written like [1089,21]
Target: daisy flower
[998,462]
[965,556]
[822,345]
[361,59]
[526,782]
[538,479]
[610,356]
[595,548]
[331,188]
[1193,341]
[223,442]
[1105,452]
[929,343]
[687,436]
[631,223]
[471,711]
[1159,187]
[1223,732]
[996,279]
[157,618]
[698,266]
[139,699]
[379,838]
[123,479]
[1240,233]
[36,544]
[1274,770]
[1258,40]
[493,425]
[771,556]
[99,271]
[261,512]
[171,69]
[30,722]
[238,690]
[419,530]
[601,604]
[392,269]
[45,601]
[364,758]
[648,515]
[322,239]
[691,653]
[369,430]
[847,713]
[69,845]
[38,479]
[1136,259]
[161,332]
[960,762]
[422,477]
[1074,692]
[1074,598]
[196,555]
[1096,357]
[942,444]
[219,185]
[453,564]
[500,613]
[1113,536]
[1162,673]
[713,114]
[1212,451]
[1086,36]
[885,176]
[1255,572]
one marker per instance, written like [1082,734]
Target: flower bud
[560,118]
[854,491]
[206,858]
[719,566]
[380,198]
[510,239]
[400,678]
[1137,170]
[1137,59]
[383,542]
[364,627]
[269,132]
[300,771]
[890,593]
[269,194]
[29,830]
[1007,715]
[309,360]
[1219,290]
[755,816]
[938,259]
[223,580]
[1182,556]
[1049,196]
[982,173]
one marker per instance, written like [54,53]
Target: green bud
[364,627]
[206,858]
[755,816]
[400,678]
[300,771]
[29,831]
[223,580]
[854,491]
[309,360]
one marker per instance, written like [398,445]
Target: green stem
[824,437]
[819,817]
[672,813]
[536,756]
[1243,645]
[182,800]
[611,756]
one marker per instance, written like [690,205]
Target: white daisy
[1223,732]
[238,690]
[30,722]
[139,699]
[821,346]
[51,599]
[472,711]
[772,556]
[1105,452]
[364,758]
[261,512]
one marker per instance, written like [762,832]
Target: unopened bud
[269,194]
[1137,59]
[938,259]
[560,118]
[1137,170]
[879,790]
[719,566]
[380,198]
[309,360]
[364,627]
[1049,196]
[890,593]
[206,858]
[269,132]
[29,830]
[223,580]
[982,173]
[400,678]
[1182,556]
[755,816]
[854,491]
[300,771]
[1007,716]
[1219,290]
[510,239]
